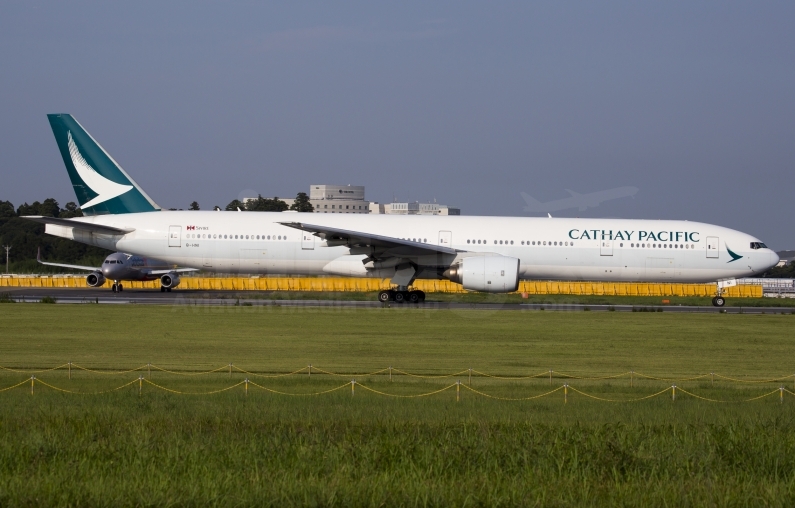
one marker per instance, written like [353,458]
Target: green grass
[337,449]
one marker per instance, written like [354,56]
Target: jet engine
[95,279]
[491,274]
[169,280]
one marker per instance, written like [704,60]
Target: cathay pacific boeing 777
[490,254]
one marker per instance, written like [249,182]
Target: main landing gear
[117,287]
[164,289]
[401,295]
[719,301]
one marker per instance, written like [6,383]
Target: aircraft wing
[161,272]
[385,245]
[75,267]
[87,226]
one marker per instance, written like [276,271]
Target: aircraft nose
[774,259]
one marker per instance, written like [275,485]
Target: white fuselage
[548,248]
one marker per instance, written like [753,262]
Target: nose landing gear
[116,287]
[718,301]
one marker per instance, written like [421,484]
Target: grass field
[368,449]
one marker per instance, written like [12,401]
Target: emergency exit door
[175,236]
[606,248]
[713,244]
[307,240]
[445,238]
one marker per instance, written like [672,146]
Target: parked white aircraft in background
[577,200]
[119,267]
[488,254]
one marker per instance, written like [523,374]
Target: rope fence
[141,381]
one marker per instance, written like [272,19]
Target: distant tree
[50,208]
[266,205]
[70,211]
[234,205]
[302,204]
[216,208]
[194,206]
[26,209]
[7,210]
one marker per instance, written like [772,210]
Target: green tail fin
[100,184]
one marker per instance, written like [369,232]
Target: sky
[467,103]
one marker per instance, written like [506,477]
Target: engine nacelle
[169,280]
[95,279]
[490,274]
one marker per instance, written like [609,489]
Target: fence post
[565,393]
[712,375]
[550,377]
[149,370]
[247,387]
[140,384]
[70,370]
[390,373]
[353,387]
[631,378]
[230,370]
[310,370]
[470,376]
[781,395]
[673,392]
[458,390]
[32,379]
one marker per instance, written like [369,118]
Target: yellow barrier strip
[33,371]
[405,396]
[508,398]
[84,393]
[350,375]
[268,375]
[429,377]
[193,393]
[543,374]
[754,381]
[299,394]
[187,373]
[618,400]
[16,385]
[109,373]
[716,400]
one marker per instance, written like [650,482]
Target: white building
[413,208]
[338,199]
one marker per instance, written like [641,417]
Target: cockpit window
[758,245]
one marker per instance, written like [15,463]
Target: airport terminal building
[338,199]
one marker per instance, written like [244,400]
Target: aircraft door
[175,236]
[446,238]
[606,248]
[307,240]
[713,247]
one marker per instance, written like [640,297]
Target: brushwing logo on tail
[104,188]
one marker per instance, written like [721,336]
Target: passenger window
[511,242]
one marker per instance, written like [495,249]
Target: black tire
[113,288]
[400,296]
[121,288]
[162,289]
[422,295]
[384,296]
[168,290]
[718,301]
[415,297]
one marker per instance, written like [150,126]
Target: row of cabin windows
[661,246]
[237,237]
[510,242]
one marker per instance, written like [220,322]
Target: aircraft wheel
[162,289]
[400,296]
[121,288]
[422,295]
[718,301]
[415,297]
[114,288]
[384,296]
[168,290]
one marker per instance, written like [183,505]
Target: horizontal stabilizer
[86,226]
